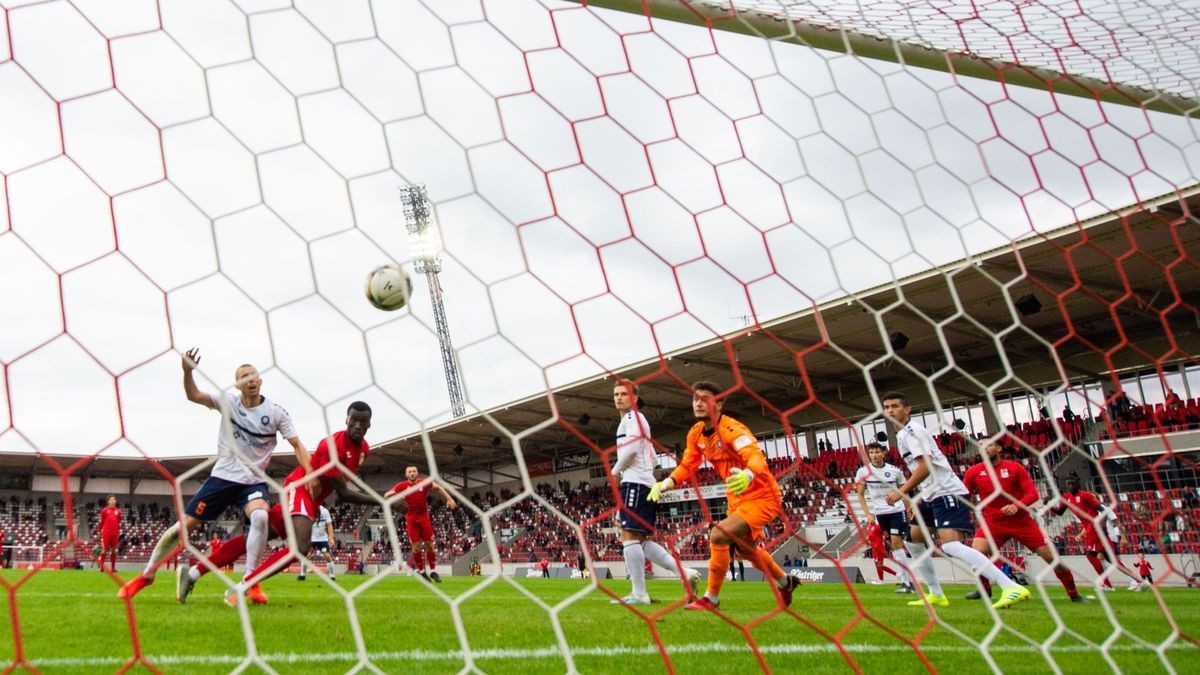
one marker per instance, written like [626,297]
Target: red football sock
[987,585]
[419,561]
[261,573]
[227,554]
[1068,580]
[1094,561]
[114,561]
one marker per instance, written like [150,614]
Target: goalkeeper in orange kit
[753,495]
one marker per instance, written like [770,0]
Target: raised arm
[446,496]
[191,359]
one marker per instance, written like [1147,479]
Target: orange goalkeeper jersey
[730,446]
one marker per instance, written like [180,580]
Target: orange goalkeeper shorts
[757,514]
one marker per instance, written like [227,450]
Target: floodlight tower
[426,248]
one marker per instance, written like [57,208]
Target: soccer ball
[388,287]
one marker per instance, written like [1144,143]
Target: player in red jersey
[1144,569]
[1086,507]
[414,492]
[1005,494]
[879,551]
[110,532]
[352,450]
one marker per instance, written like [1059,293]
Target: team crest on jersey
[1004,473]
[265,420]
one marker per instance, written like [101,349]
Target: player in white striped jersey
[322,538]
[875,481]
[249,426]
[636,461]
[942,504]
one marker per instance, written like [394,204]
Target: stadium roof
[1116,292]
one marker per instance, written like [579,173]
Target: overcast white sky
[235,186]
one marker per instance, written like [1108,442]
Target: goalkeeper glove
[659,488]
[739,480]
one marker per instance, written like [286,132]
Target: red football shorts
[275,521]
[420,528]
[1021,527]
[110,539]
[300,501]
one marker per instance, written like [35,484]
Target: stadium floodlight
[424,239]
[426,246]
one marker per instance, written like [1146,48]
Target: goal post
[26,557]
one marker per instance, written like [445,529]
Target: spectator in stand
[1068,415]
[1120,406]
[1172,399]
[1191,413]
[4,547]
[1174,413]
[1060,544]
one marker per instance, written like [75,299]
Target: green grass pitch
[71,622]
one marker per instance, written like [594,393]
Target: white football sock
[901,558]
[635,563]
[165,546]
[660,556]
[978,562]
[923,564]
[256,540]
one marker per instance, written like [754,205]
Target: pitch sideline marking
[552,652]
